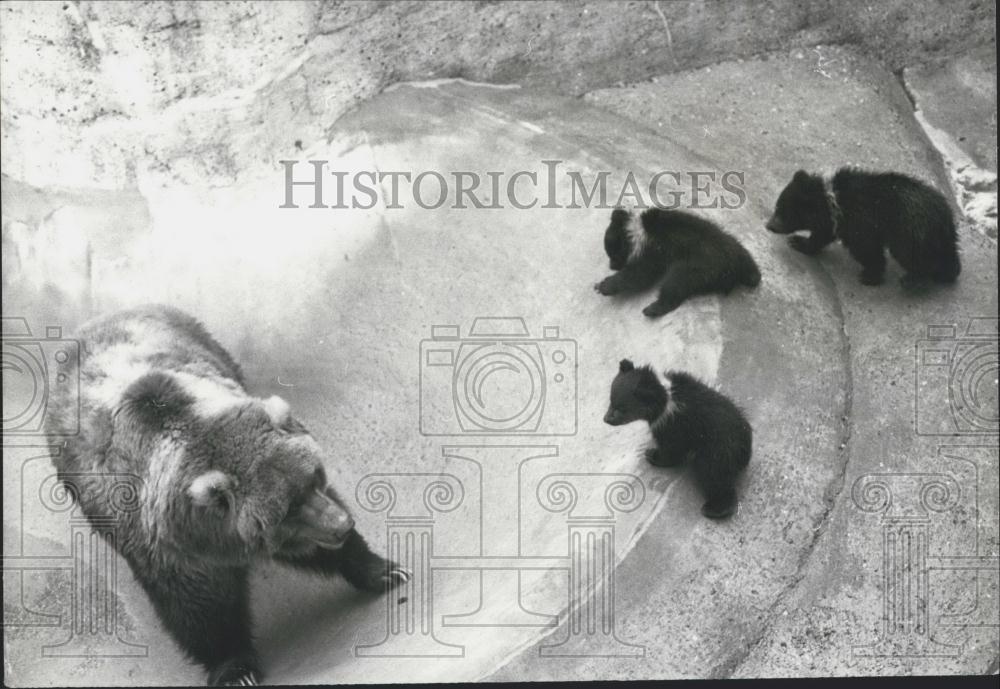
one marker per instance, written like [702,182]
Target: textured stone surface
[820,109]
[140,149]
[330,311]
[118,95]
[955,102]
[960,95]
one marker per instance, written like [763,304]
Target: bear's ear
[624,366]
[278,410]
[211,489]
[800,176]
[157,399]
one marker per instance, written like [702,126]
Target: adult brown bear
[224,479]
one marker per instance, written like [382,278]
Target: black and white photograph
[388,342]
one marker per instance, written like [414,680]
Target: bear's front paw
[234,674]
[608,286]
[396,575]
[802,245]
[657,309]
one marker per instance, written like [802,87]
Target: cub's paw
[608,286]
[657,309]
[719,509]
[659,458]
[802,244]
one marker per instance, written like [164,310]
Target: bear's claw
[244,678]
[398,575]
[608,286]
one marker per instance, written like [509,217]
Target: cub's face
[799,206]
[635,396]
[231,477]
[617,244]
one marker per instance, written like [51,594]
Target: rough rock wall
[116,94]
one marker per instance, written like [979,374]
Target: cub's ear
[157,399]
[800,176]
[619,215]
[212,489]
[624,366]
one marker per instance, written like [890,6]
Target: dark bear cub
[690,254]
[870,212]
[689,422]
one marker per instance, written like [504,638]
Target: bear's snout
[324,521]
[775,225]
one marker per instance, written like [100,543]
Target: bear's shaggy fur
[690,422]
[869,212]
[690,254]
[223,479]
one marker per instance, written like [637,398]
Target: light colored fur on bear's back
[123,347]
[116,351]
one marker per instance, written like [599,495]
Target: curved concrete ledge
[333,310]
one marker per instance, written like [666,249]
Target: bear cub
[692,256]
[690,422]
[869,212]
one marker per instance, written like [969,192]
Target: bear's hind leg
[715,473]
[871,255]
[208,615]
[720,505]
[947,264]
[681,282]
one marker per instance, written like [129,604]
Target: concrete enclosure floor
[545,546]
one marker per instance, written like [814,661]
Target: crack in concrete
[973,188]
[835,487]
[666,29]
